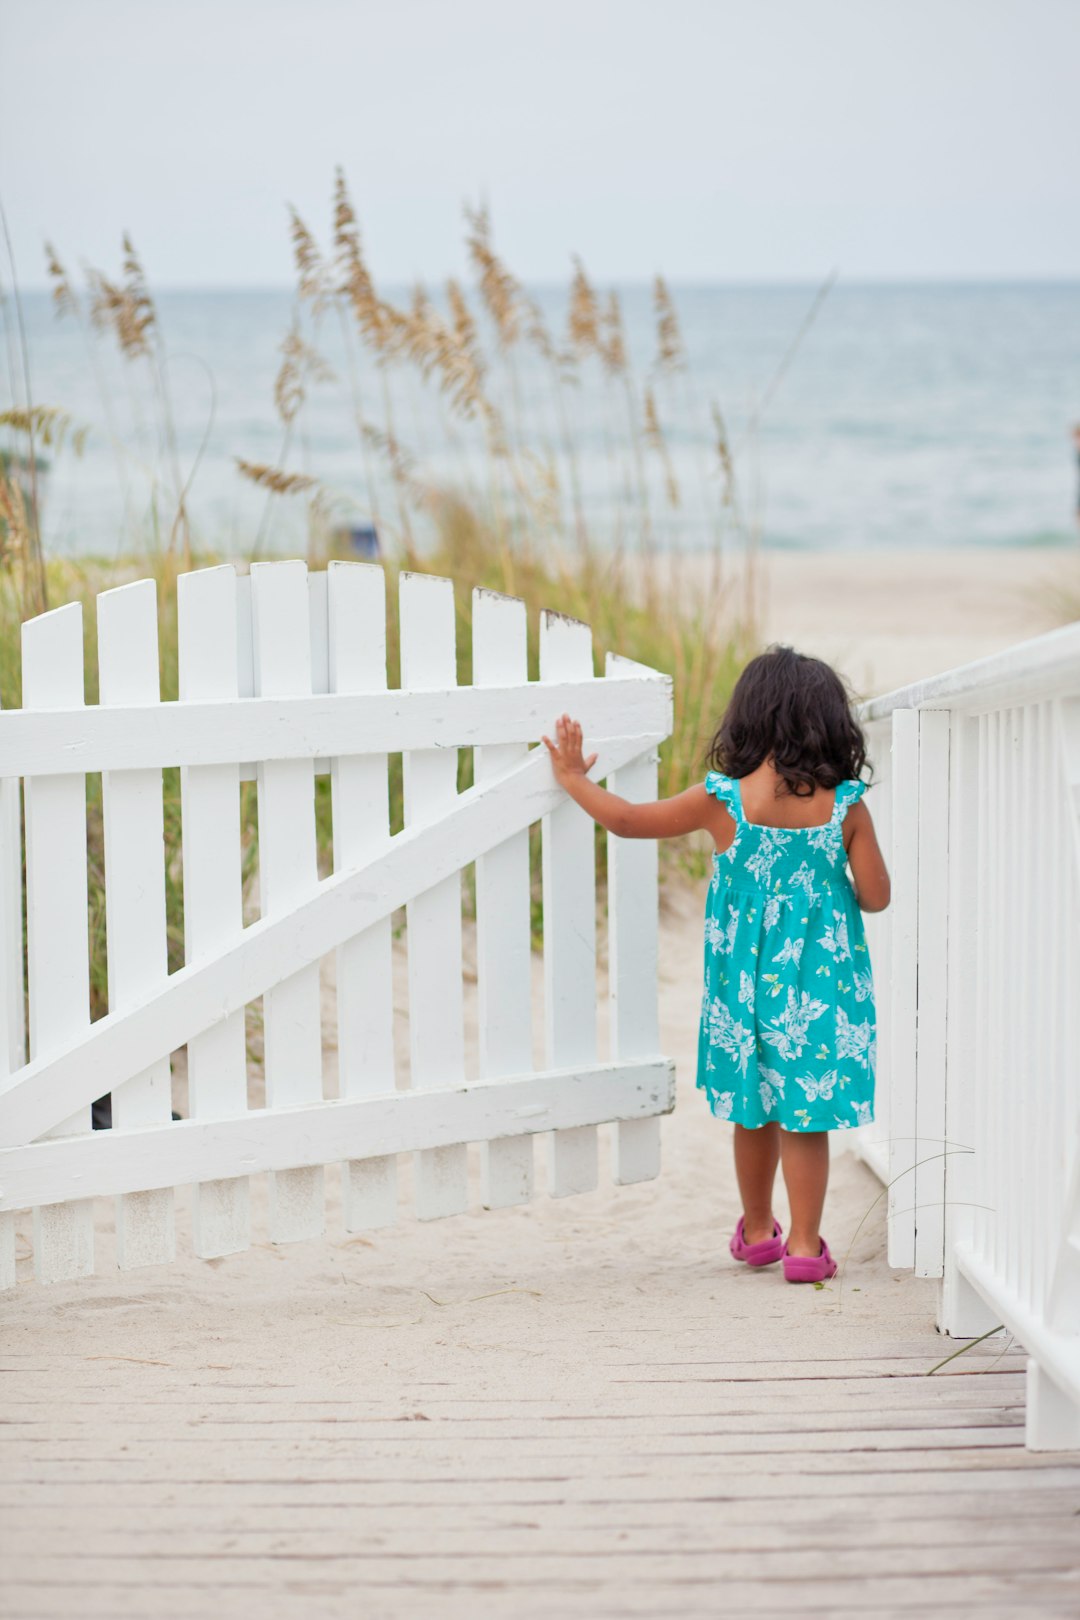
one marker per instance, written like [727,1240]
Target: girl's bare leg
[757,1154]
[805,1158]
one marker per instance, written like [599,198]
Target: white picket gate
[282,673]
[978,969]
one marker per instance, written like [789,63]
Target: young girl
[786,1045]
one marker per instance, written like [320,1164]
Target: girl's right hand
[567,756]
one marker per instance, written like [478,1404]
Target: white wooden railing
[288,670]
[978,967]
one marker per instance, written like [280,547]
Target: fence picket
[58,970]
[308,652]
[213,901]
[288,873]
[569,886]
[633,928]
[138,964]
[356,662]
[436,1023]
[503,929]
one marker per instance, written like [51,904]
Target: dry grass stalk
[64,296]
[49,423]
[275,479]
[612,342]
[126,307]
[401,464]
[352,278]
[654,438]
[722,445]
[583,329]
[461,317]
[670,348]
[420,335]
[502,293]
[300,364]
[313,281]
[16,537]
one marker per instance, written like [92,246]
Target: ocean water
[908,416]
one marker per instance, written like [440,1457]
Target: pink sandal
[766,1253]
[807,1268]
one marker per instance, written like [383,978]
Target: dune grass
[513,518]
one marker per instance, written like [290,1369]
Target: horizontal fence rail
[978,1114]
[282,675]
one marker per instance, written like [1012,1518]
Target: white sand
[886,618]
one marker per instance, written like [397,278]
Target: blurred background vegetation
[520,528]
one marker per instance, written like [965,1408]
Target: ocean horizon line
[979,283]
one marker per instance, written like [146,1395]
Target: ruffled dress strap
[847,794]
[726,789]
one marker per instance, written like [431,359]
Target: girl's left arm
[663,818]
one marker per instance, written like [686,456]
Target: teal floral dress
[787,1018]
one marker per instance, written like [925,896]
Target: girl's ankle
[759,1231]
[804,1246]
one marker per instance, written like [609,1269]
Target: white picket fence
[978,964]
[282,674]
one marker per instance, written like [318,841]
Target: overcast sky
[714,139]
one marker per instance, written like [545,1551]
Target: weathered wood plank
[291,726]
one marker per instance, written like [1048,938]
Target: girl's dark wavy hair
[796,711]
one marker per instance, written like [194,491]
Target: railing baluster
[903,1118]
[932,971]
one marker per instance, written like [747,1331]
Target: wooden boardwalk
[580,1407]
[329,1448]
